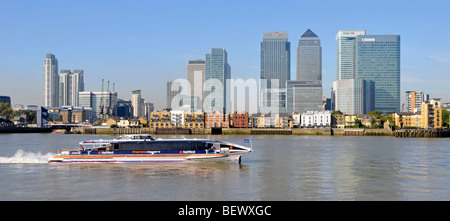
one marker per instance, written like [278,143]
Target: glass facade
[303,96]
[276,58]
[275,65]
[345,48]
[353,96]
[378,60]
[217,70]
[102,103]
[309,57]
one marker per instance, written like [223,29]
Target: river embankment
[272,131]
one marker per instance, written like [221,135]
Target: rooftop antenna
[114,84]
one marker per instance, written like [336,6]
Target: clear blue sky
[144,44]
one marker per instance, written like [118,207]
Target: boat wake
[26,157]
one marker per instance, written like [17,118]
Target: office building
[276,58]
[303,96]
[374,58]
[217,71]
[70,84]
[196,79]
[275,65]
[346,53]
[51,81]
[309,57]
[378,60]
[353,96]
[102,103]
[124,109]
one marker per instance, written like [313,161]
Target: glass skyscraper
[217,71]
[276,58]
[346,53]
[378,60]
[275,65]
[375,59]
[309,57]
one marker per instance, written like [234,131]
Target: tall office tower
[196,78]
[414,100]
[346,53]
[51,81]
[353,96]
[173,88]
[217,71]
[77,86]
[303,96]
[275,65]
[309,57]
[136,103]
[102,103]
[70,84]
[378,60]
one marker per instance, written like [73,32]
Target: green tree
[337,112]
[358,123]
[5,110]
[445,118]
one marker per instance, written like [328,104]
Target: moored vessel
[145,148]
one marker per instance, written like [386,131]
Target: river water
[285,167]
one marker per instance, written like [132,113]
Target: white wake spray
[26,157]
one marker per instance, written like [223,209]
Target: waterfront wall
[256,131]
[422,133]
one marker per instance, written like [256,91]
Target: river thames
[281,168]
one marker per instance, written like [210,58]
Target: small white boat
[144,148]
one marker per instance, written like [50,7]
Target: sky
[140,45]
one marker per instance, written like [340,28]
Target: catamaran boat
[145,148]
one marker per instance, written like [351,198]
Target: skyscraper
[217,71]
[275,65]
[374,58]
[70,84]
[196,78]
[378,60]
[346,53]
[51,81]
[305,94]
[309,57]
[276,58]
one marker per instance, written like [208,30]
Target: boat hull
[138,158]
